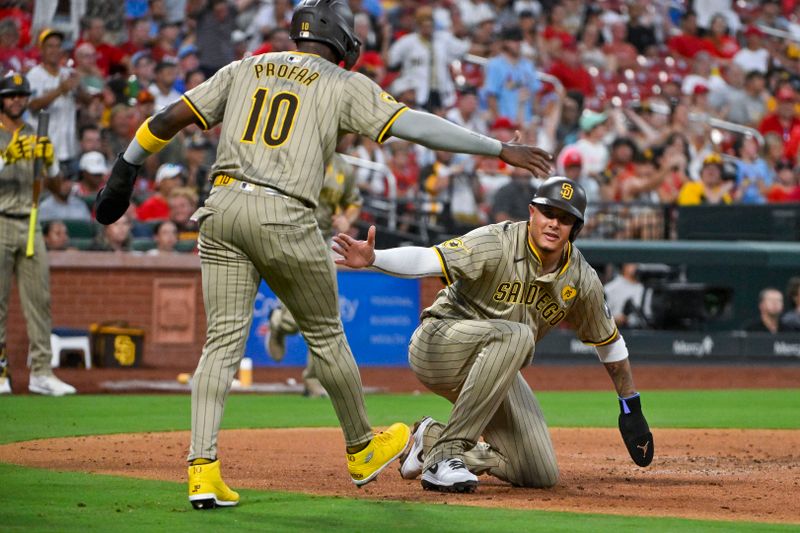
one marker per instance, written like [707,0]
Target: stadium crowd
[644,103]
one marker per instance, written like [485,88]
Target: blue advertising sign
[379,314]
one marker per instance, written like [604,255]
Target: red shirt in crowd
[780,194]
[107,55]
[577,78]
[154,208]
[725,48]
[688,45]
[772,124]
[551,32]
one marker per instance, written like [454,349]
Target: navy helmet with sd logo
[329,22]
[13,84]
[566,195]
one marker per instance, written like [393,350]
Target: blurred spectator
[753,175]
[93,170]
[165,44]
[425,56]
[784,119]
[573,169]
[11,55]
[791,320]
[567,67]
[700,73]
[163,87]
[643,26]
[753,57]
[591,145]
[156,207]
[182,202]
[512,199]
[55,235]
[403,164]
[166,236]
[94,33]
[710,189]
[404,89]
[770,307]
[465,112]
[193,79]
[620,162]
[55,88]
[688,42]
[91,76]
[138,38]
[619,52]
[748,105]
[786,186]
[115,237]
[89,139]
[451,190]
[120,131]
[625,297]
[199,153]
[62,203]
[144,70]
[215,22]
[720,42]
[511,82]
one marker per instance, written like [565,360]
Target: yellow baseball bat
[41,131]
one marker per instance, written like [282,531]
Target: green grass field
[43,500]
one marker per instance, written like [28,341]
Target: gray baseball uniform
[281,116]
[481,330]
[33,273]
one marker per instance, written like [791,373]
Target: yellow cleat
[206,488]
[384,448]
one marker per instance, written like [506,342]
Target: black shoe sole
[464,487]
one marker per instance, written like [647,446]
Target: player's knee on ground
[537,476]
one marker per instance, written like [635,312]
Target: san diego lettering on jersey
[531,295]
[294,73]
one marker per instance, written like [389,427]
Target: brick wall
[96,287]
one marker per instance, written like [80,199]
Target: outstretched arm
[439,134]
[151,137]
[406,262]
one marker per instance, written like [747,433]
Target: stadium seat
[142,244]
[186,245]
[82,229]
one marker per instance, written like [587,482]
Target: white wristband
[611,353]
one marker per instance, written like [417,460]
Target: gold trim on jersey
[443,264]
[566,263]
[195,111]
[388,125]
[567,252]
[603,343]
[532,248]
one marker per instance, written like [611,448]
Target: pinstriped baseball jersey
[339,191]
[16,179]
[283,113]
[494,272]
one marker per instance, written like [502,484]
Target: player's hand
[113,199]
[635,432]
[531,158]
[44,150]
[355,253]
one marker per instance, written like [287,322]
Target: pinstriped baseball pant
[475,364]
[33,282]
[246,236]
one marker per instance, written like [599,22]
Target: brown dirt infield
[740,475]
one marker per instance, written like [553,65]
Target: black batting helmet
[566,195]
[14,83]
[329,22]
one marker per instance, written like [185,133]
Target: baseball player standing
[339,205]
[508,284]
[281,115]
[19,148]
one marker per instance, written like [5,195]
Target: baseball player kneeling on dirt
[508,284]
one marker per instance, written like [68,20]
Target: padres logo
[455,244]
[17,79]
[566,191]
[568,293]
[386,97]
[124,350]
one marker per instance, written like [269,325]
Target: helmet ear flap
[576,228]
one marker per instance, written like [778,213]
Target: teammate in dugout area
[19,149]
[508,285]
[339,206]
[281,116]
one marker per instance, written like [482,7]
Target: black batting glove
[113,199]
[634,429]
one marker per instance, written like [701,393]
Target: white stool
[72,342]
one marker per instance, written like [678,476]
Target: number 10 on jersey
[281,112]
